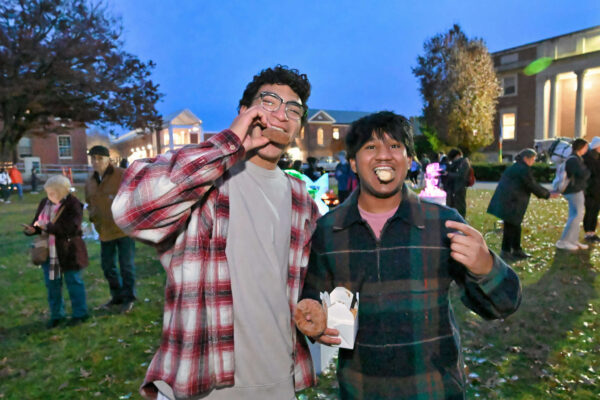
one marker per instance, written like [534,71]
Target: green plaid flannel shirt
[408,344]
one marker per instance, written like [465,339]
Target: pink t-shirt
[376,220]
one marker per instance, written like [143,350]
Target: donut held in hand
[310,318]
[276,136]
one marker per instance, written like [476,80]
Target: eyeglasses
[271,102]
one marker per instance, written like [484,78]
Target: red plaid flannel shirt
[178,203]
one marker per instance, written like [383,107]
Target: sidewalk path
[492,185]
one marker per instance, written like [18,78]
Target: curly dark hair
[379,123]
[279,75]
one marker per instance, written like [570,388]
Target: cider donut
[276,136]
[385,175]
[318,317]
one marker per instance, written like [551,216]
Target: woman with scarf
[58,220]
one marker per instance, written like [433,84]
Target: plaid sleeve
[157,195]
[495,295]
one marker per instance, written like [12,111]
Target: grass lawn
[549,349]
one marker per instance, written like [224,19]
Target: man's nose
[383,152]
[280,113]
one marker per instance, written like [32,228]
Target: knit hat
[595,142]
[99,150]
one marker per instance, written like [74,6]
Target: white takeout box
[340,317]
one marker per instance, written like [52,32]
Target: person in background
[4,186]
[457,180]
[233,234]
[401,254]
[578,175]
[344,176]
[124,163]
[591,159]
[17,180]
[510,200]
[312,171]
[34,180]
[58,219]
[297,165]
[413,173]
[100,190]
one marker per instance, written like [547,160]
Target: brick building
[324,133]
[560,101]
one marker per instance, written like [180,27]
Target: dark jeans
[590,218]
[122,286]
[75,287]
[5,189]
[458,199]
[511,241]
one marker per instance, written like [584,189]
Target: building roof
[544,40]
[334,116]
[179,117]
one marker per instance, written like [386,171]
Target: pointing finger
[462,228]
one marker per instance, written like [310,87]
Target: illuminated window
[508,120]
[320,136]
[64,146]
[509,85]
[336,133]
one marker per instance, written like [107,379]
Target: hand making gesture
[469,248]
[248,126]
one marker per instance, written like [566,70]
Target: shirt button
[232,147]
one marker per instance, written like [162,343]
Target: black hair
[452,154]
[526,153]
[378,124]
[578,144]
[279,75]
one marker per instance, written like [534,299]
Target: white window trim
[516,85]
[70,146]
[503,111]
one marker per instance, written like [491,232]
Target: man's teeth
[277,128]
[385,174]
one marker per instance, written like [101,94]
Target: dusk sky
[358,55]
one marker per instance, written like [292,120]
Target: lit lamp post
[500,145]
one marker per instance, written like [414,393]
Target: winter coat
[577,173]
[99,195]
[511,198]
[592,162]
[70,247]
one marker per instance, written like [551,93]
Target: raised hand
[248,126]
[469,248]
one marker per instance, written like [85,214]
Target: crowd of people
[243,244]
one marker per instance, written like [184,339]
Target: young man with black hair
[401,254]
[233,234]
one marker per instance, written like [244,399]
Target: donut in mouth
[276,135]
[385,174]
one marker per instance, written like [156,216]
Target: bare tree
[62,63]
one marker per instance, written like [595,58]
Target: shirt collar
[109,170]
[409,210]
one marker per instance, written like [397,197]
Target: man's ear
[352,162]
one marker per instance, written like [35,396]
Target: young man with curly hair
[233,233]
